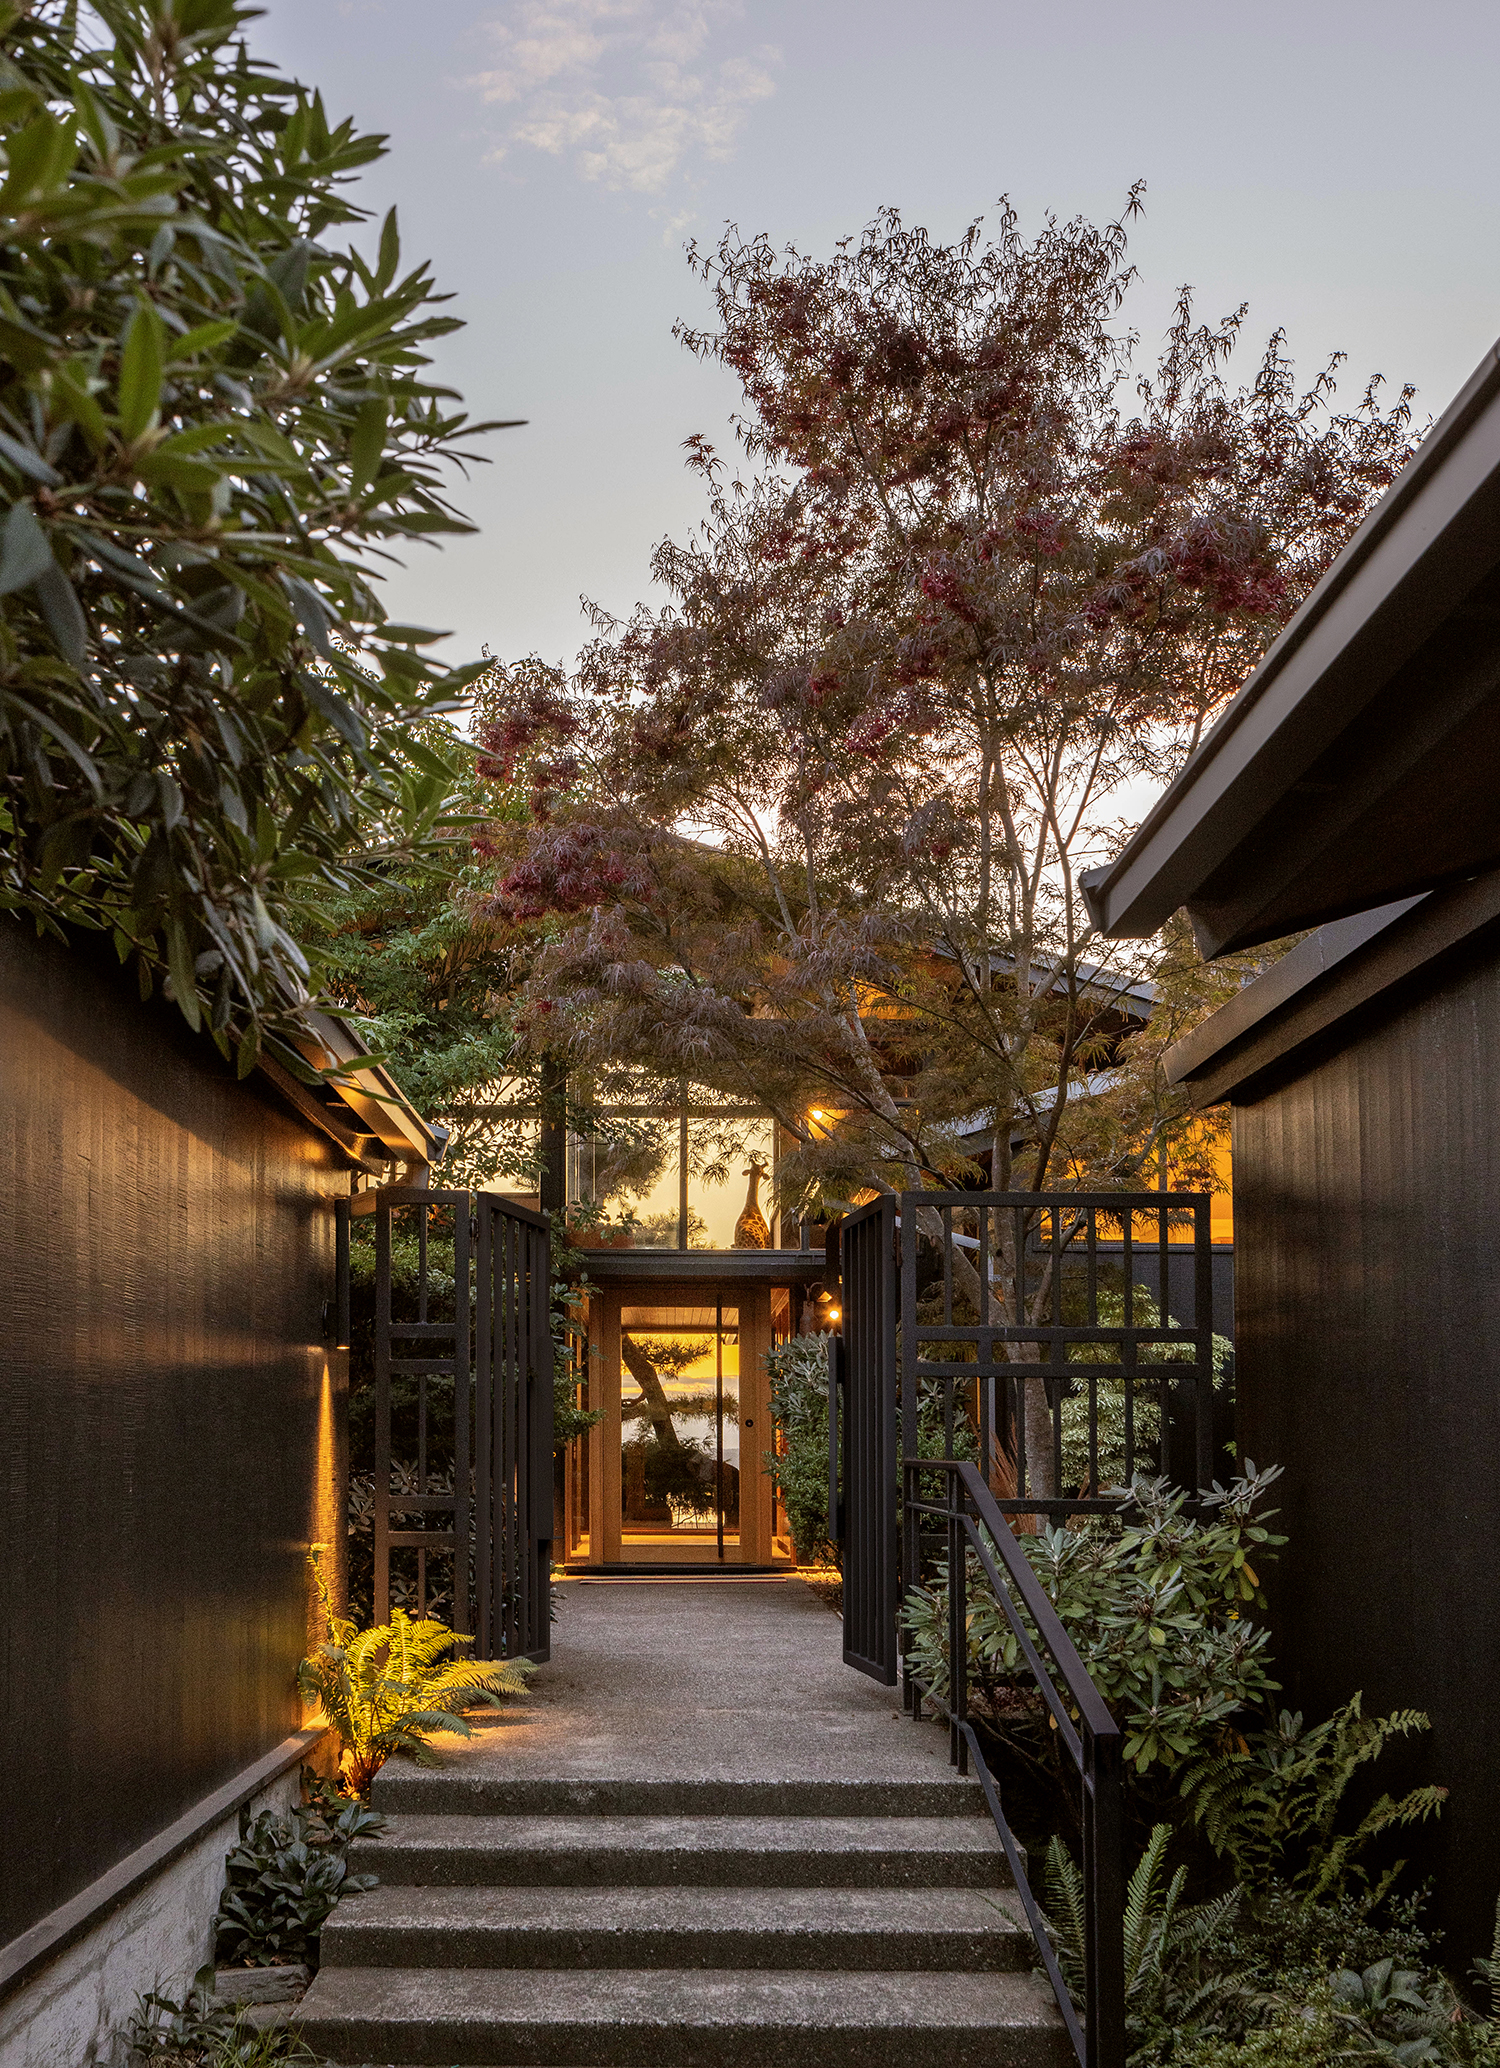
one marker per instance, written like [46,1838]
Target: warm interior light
[817,1113]
[833,1313]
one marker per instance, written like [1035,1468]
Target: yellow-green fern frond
[386,1689]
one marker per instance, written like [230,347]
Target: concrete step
[717,2018]
[401,1788]
[656,1852]
[869,1930]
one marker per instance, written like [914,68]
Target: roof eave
[1293,705]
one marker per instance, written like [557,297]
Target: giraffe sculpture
[750,1230]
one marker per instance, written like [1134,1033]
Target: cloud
[629,90]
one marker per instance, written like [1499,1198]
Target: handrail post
[1104,1906]
[911,1556]
[835,1380]
[958,1627]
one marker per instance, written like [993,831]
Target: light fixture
[816,1114]
[835,1314]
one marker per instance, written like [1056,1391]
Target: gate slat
[867,1254]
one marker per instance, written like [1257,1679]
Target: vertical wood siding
[169,1422]
[1367,1303]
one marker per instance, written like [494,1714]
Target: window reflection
[680,1424]
[682,1176]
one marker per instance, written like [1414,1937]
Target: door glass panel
[680,1426]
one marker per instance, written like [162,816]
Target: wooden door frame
[753,1302]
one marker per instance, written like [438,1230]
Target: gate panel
[514,1392]
[423,1407]
[1059,1322]
[462,1521]
[1055,1340]
[867,1257]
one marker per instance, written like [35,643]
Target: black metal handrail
[1082,1721]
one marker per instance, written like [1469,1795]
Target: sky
[1333,164]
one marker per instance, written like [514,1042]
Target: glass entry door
[680,1418]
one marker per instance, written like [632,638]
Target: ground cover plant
[386,1689]
[285,1875]
[214,421]
[196,2031]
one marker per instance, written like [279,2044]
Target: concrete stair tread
[860,1929]
[403,1788]
[588,2017]
[688,1834]
[780,1851]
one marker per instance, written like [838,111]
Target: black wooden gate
[865,1418]
[513,1423]
[462,1508]
[1092,1362]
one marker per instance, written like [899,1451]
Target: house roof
[366,1112]
[1360,764]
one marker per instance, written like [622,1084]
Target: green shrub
[213,423]
[1111,1395]
[1304,1948]
[286,1874]
[197,2032]
[799,1468]
[1156,1608]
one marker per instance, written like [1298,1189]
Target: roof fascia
[1333,974]
[370,1094]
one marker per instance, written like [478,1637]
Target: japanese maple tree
[811,829]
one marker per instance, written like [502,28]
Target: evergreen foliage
[285,1875]
[214,421]
[1156,1608]
[798,1466]
[1115,1399]
[429,981]
[1271,1809]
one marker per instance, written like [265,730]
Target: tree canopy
[811,829]
[215,426]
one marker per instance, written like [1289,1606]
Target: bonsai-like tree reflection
[679,1429]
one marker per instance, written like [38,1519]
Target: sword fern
[384,1690]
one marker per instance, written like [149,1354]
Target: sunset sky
[1333,164]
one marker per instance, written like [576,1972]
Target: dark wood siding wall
[1367,1297]
[170,1417]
